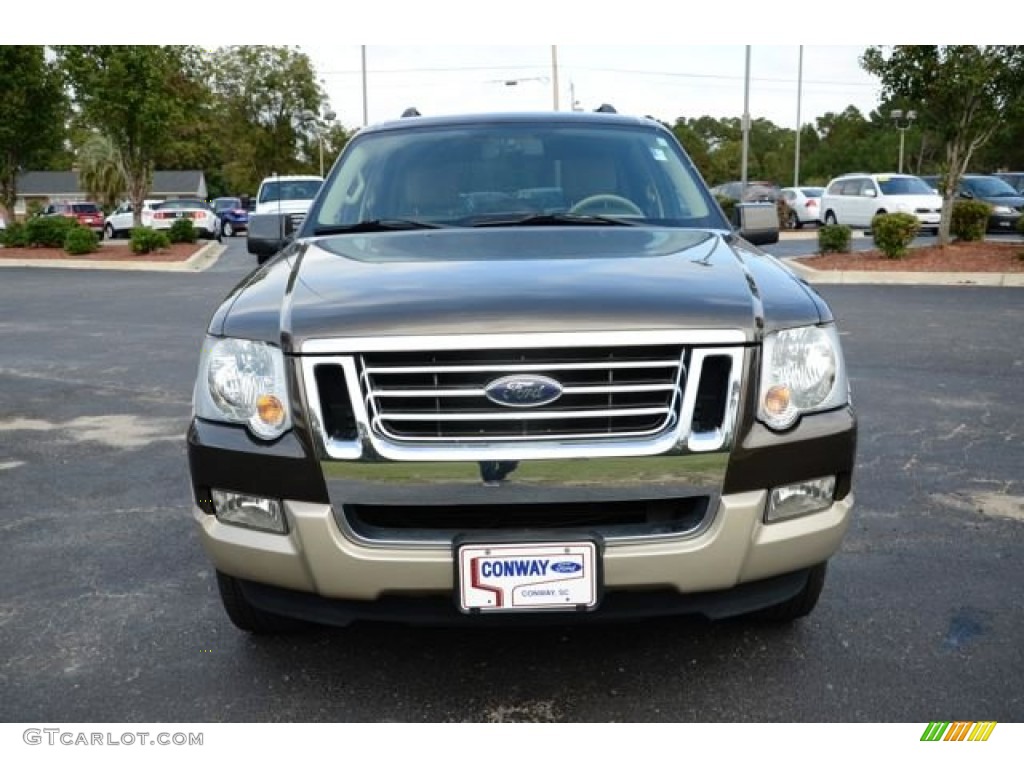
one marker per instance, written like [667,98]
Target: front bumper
[1003,222]
[350,564]
[318,557]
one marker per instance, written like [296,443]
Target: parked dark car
[1014,178]
[1007,203]
[756,191]
[233,215]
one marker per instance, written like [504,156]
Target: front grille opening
[441,394]
[335,404]
[577,427]
[712,394]
[641,517]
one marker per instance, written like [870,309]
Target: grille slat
[606,391]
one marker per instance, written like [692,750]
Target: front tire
[802,603]
[248,617]
[830,219]
[229,231]
[109,232]
[794,221]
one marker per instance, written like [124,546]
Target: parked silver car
[804,205]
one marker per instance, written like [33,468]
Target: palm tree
[101,171]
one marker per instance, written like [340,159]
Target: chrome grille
[624,393]
[442,395]
[297,219]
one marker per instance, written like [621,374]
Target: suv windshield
[85,208]
[989,186]
[226,203]
[515,172]
[305,189]
[903,185]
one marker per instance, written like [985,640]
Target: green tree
[133,95]
[263,92]
[101,170]
[962,94]
[31,116]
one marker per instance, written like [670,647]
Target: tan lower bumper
[317,557]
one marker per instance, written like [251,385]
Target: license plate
[514,576]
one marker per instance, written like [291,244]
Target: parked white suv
[856,198]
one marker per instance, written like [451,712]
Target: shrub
[15,236]
[147,240]
[81,240]
[1020,225]
[834,238]
[728,207]
[49,231]
[183,231]
[894,232]
[970,219]
[786,218]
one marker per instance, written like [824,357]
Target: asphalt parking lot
[109,611]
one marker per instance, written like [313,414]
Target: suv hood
[479,281]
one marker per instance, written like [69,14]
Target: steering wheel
[606,204]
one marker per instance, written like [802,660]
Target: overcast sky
[659,80]
[666,58]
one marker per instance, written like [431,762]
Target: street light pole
[902,125]
[554,74]
[309,115]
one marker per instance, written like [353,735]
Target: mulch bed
[107,252]
[957,257]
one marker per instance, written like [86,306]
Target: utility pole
[554,75]
[799,95]
[746,127]
[366,118]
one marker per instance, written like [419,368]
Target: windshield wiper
[376,225]
[555,220]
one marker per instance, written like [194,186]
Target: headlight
[1002,210]
[802,371]
[243,382]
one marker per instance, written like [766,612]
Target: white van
[856,198]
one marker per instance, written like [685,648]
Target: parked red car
[88,214]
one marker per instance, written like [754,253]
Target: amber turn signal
[270,410]
[777,399]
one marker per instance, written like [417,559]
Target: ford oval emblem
[566,567]
[522,391]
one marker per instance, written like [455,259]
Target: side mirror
[268,233]
[869,193]
[966,193]
[757,223]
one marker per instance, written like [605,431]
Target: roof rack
[412,112]
[607,108]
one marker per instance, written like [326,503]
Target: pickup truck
[519,368]
[281,206]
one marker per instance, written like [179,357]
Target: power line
[644,72]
